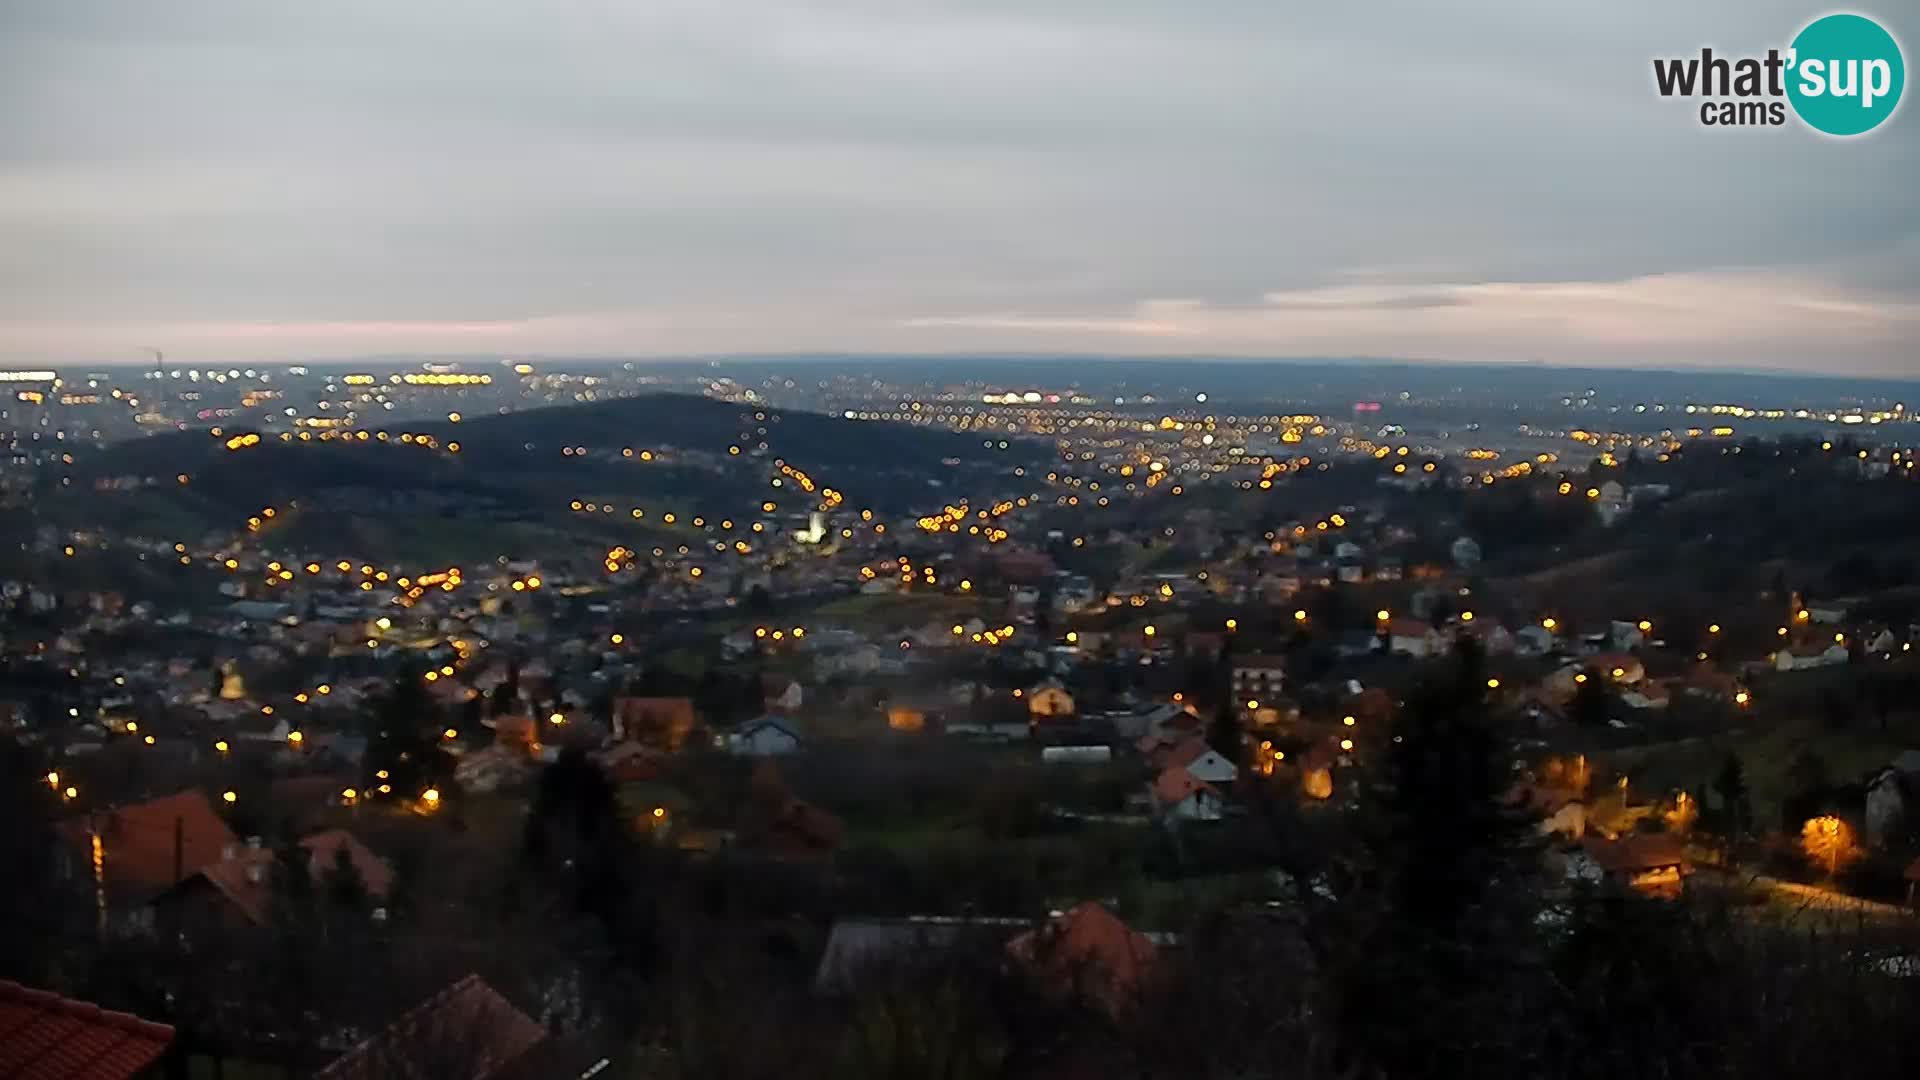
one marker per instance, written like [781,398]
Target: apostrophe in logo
[1847,74]
[1842,75]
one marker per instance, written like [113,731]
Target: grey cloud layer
[1491,180]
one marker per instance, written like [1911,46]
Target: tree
[1436,926]
[1225,734]
[577,843]
[1592,705]
[1731,785]
[1828,841]
[33,909]
[342,885]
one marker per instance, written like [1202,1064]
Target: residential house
[1141,722]
[1705,681]
[467,1030]
[1882,641]
[1049,700]
[1090,754]
[1625,635]
[860,659]
[766,737]
[1534,640]
[237,889]
[1178,795]
[494,768]
[1804,657]
[661,722]
[1646,695]
[1171,719]
[858,949]
[1200,760]
[133,853]
[1621,669]
[1414,637]
[1560,812]
[1258,676]
[782,694]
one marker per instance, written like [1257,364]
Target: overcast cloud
[260,180]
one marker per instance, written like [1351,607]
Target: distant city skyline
[1494,182]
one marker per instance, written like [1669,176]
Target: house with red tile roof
[661,722]
[146,847]
[1178,795]
[1413,637]
[237,890]
[44,1035]
[1258,675]
[465,1032]
[1194,755]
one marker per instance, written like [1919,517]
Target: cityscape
[826,640]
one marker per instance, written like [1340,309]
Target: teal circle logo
[1845,74]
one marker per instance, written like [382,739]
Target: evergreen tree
[1225,734]
[342,885]
[1592,705]
[1731,784]
[1434,934]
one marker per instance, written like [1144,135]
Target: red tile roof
[1188,752]
[324,848]
[465,1032]
[44,1036]
[1176,784]
[1148,744]
[137,841]
[247,877]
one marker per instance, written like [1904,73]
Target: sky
[1488,180]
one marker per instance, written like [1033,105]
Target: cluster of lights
[439,379]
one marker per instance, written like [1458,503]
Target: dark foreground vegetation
[1421,936]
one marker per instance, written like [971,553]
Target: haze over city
[1495,181]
